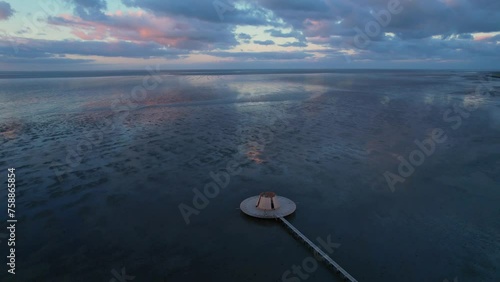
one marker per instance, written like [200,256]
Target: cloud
[294,44]
[335,23]
[426,30]
[45,61]
[208,11]
[265,42]
[89,9]
[279,33]
[429,49]
[180,33]
[418,19]
[295,12]
[6,11]
[244,36]
[263,55]
[38,48]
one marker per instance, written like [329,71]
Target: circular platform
[249,206]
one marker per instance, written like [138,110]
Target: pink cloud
[482,37]
[140,26]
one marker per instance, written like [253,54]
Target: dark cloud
[89,9]
[294,12]
[294,44]
[263,55]
[426,30]
[279,33]
[6,11]
[244,36]
[295,5]
[337,24]
[180,33]
[44,61]
[210,25]
[265,42]
[424,50]
[417,19]
[38,48]
[219,11]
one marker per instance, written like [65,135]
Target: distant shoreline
[210,72]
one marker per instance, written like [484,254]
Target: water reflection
[330,132]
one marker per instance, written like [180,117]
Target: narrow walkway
[325,257]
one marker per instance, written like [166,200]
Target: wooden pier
[330,262]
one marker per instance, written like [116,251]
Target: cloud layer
[324,31]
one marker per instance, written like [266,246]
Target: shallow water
[101,175]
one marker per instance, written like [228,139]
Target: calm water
[101,172]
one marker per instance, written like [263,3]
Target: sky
[249,34]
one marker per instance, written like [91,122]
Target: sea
[139,175]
